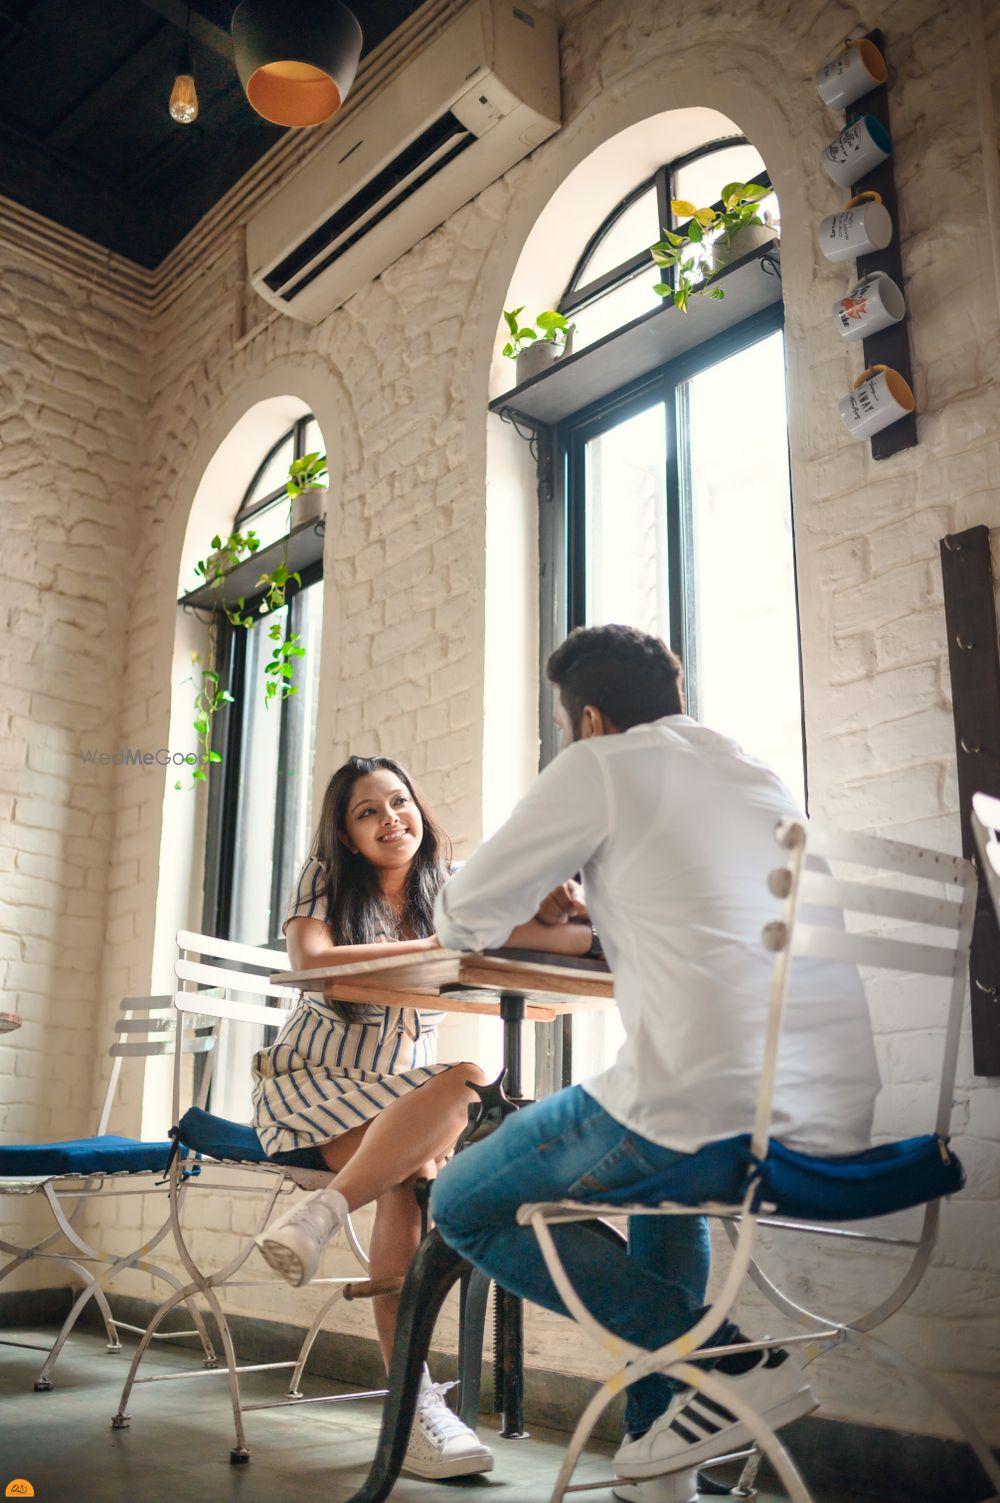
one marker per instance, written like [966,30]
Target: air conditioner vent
[468,104]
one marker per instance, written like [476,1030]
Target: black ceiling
[85,137]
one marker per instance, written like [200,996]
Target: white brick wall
[398,379]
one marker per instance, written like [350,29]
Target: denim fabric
[568,1147]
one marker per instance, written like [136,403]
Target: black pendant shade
[296,58]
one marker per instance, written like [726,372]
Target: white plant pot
[310,506]
[540,356]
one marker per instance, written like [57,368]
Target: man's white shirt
[672,826]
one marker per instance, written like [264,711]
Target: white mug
[872,304]
[863,225]
[853,73]
[860,146]
[878,398]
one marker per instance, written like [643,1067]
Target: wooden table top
[456,981]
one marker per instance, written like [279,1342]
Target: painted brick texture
[102,459]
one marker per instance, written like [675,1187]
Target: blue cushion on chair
[105,1155]
[877,1182]
[218,1138]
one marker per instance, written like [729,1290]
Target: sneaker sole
[679,1487]
[282,1260]
[438,1470]
[729,1439]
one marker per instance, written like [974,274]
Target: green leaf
[754,192]
[201,726]
[694,232]
[177,787]
[214,756]
[526,334]
[718,294]
[217,542]
[683,208]
[198,775]
[663,289]
[225,696]
[510,317]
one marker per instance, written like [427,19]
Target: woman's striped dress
[322,1076]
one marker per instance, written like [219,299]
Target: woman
[356,1090]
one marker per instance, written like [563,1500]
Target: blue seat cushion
[218,1138]
[105,1155]
[881,1180]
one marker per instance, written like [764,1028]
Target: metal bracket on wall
[890,346]
[974,659]
[539,441]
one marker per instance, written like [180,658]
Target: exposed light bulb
[184,99]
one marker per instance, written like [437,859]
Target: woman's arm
[557,939]
[310,946]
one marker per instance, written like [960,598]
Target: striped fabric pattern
[323,1076]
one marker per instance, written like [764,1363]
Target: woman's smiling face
[382,822]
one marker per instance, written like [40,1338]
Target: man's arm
[556,828]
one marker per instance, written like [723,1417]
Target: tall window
[672,504]
[259,810]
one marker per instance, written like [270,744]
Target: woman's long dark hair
[355,909]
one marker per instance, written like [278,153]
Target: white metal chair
[70,1176]
[219,980]
[891,885]
[986,829]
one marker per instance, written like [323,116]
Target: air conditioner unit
[478,95]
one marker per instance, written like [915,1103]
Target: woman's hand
[563,903]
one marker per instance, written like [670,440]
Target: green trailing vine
[227,554]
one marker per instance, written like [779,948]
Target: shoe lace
[314,1215]
[442,1423]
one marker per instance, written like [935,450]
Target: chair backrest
[210,970]
[847,919]
[986,830]
[148,1026]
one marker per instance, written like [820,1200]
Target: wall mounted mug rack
[888,346]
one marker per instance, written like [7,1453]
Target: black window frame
[578,296]
[223,779]
[560,449]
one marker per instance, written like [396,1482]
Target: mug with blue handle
[860,146]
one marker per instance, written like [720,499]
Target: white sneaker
[678,1487]
[293,1245]
[695,1429]
[440,1445]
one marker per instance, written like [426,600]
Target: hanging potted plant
[710,240]
[534,347]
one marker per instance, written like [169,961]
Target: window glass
[634,229]
[274,473]
[312,438]
[271,523]
[626,522]
[700,182]
[616,308]
[744,648]
[257,806]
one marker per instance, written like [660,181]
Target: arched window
[665,499]
[259,812]
[610,284]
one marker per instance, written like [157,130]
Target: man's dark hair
[628,675]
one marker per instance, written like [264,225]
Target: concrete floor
[177,1447]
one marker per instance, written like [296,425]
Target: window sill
[645,344]
[305,547]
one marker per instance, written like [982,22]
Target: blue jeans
[568,1147]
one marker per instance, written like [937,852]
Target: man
[673,827]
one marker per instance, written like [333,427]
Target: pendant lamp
[296,58]
[183,104]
